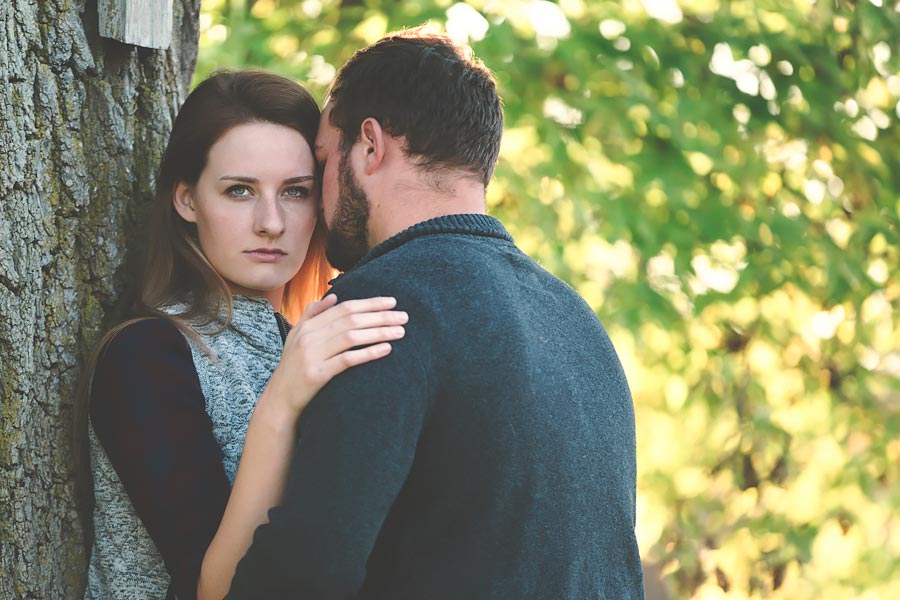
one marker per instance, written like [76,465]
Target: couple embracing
[444,419]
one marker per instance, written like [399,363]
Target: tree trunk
[83,123]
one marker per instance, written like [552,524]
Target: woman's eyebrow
[300,179]
[242,179]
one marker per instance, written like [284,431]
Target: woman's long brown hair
[175,268]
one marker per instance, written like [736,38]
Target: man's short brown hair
[426,89]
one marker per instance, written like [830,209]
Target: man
[492,453]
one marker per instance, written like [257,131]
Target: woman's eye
[297,192]
[239,191]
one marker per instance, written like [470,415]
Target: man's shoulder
[433,258]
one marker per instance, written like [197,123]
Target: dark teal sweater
[490,455]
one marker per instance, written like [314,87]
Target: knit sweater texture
[491,455]
[233,370]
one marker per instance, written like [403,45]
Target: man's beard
[348,234]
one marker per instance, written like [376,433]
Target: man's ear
[183,200]
[372,137]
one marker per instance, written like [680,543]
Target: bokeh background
[721,182]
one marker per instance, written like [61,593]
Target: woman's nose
[268,217]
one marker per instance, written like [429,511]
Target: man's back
[523,479]
[503,448]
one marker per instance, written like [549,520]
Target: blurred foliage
[720,181]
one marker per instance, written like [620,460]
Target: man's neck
[408,205]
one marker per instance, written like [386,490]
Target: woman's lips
[266,255]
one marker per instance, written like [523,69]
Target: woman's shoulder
[143,337]
[146,356]
[141,349]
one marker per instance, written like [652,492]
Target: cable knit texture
[124,563]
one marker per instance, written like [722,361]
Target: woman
[182,474]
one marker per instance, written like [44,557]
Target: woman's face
[255,206]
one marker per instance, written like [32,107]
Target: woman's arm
[328,340]
[149,414]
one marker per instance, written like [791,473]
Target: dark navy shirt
[491,455]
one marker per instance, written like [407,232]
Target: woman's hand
[330,338]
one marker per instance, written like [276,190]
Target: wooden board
[146,23]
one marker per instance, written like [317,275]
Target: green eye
[297,192]
[239,191]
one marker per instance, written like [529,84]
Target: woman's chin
[262,283]
[259,288]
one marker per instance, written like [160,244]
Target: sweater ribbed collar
[466,224]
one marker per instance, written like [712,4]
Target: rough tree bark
[83,122]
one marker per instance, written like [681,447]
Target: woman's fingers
[325,341]
[332,338]
[365,320]
[351,358]
[361,329]
[347,308]
[349,339]
[312,310]
[316,308]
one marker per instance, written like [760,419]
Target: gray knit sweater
[125,564]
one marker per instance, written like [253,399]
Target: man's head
[426,93]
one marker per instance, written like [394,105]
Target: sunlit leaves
[721,182]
